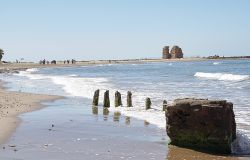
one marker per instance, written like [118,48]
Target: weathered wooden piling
[118,99]
[96,98]
[129,99]
[106,102]
[148,103]
[165,104]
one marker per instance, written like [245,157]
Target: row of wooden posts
[118,100]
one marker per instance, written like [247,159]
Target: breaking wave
[241,144]
[216,63]
[222,76]
[73,85]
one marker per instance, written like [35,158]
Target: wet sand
[177,153]
[13,104]
[78,134]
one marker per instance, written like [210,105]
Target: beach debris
[129,99]
[47,145]
[146,123]
[12,146]
[201,124]
[127,120]
[106,102]
[96,98]
[118,99]
[165,104]
[148,103]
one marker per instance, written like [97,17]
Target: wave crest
[222,76]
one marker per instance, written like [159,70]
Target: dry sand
[14,103]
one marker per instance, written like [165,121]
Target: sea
[213,79]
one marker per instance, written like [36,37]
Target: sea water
[224,79]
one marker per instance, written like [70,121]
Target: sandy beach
[13,104]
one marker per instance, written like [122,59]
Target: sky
[121,29]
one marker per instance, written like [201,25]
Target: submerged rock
[201,124]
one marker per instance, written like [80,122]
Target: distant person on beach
[1,54]
[53,62]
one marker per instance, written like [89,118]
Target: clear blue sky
[117,29]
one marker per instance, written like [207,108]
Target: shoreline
[16,67]
[13,104]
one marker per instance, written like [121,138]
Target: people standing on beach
[73,61]
[1,54]
[53,62]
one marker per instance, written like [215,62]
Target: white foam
[81,87]
[153,116]
[85,87]
[31,70]
[241,144]
[216,63]
[222,76]
[73,75]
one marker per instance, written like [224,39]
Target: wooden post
[129,99]
[118,99]
[106,102]
[165,103]
[148,103]
[96,98]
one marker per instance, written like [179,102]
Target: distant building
[176,52]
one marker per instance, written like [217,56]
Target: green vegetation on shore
[1,54]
